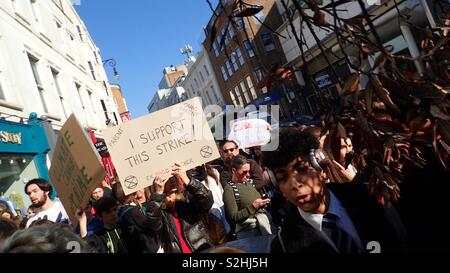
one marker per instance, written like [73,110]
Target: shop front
[23,150]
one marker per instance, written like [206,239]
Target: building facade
[122,107]
[202,82]
[171,75]
[49,66]
[243,51]
[159,100]
[391,30]
[170,90]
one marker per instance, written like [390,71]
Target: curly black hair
[43,184]
[292,144]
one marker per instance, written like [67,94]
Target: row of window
[207,99]
[231,64]
[68,43]
[228,32]
[44,93]
[240,93]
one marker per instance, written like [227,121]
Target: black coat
[198,202]
[372,221]
[138,230]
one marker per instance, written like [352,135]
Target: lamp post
[112,63]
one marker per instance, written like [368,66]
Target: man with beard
[39,191]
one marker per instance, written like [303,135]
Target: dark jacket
[100,240]
[190,211]
[256,175]
[139,230]
[372,221]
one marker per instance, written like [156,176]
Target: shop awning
[272,96]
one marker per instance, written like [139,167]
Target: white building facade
[201,82]
[164,98]
[50,65]
[159,100]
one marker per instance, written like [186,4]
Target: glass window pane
[224,74]
[235,65]
[249,47]
[238,95]
[230,71]
[2,95]
[15,170]
[233,98]
[239,55]
[250,86]
[267,40]
[245,91]
[33,63]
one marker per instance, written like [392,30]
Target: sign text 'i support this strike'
[175,130]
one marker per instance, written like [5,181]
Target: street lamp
[112,63]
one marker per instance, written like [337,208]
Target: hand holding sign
[179,172]
[160,182]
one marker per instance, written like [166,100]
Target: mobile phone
[348,159]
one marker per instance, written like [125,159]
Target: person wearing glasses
[230,149]
[327,217]
[244,205]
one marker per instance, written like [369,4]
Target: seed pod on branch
[383,94]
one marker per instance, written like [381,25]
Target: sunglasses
[229,150]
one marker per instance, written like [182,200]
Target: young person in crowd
[244,204]
[39,192]
[327,217]
[180,203]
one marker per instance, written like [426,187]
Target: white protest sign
[76,169]
[250,132]
[150,144]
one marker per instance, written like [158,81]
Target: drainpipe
[412,46]
[428,12]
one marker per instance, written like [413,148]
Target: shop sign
[323,80]
[15,138]
[101,147]
[125,117]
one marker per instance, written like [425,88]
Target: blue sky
[143,36]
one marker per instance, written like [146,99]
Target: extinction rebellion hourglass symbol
[206,151]
[131,182]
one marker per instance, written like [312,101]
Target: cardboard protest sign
[75,169]
[250,132]
[147,145]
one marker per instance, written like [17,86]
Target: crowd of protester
[300,198]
